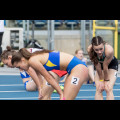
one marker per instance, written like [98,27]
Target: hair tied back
[8,48]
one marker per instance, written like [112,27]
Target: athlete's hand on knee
[101,86]
[108,86]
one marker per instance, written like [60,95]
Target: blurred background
[61,35]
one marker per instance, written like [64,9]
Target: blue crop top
[24,74]
[53,61]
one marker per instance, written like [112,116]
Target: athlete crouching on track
[27,80]
[44,61]
[102,55]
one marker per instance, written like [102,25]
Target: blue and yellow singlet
[53,62]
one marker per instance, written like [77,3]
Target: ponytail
[26,54]
[7,53]
[18,55]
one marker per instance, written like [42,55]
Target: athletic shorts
[74,62]
[60,73]
[113,64]
[25,84]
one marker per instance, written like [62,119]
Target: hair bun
[8,48]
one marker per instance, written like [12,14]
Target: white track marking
[13,91]
[24,98]
[19,98]
[12,85]
[84,97]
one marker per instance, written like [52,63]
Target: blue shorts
[25,84]
[75,61]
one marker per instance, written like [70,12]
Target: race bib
[75,80]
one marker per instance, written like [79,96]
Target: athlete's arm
[99,71]
[38,81]
[108,59]
[35,64]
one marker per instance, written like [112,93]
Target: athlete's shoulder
[109,49]
[34,58]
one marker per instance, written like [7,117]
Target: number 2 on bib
[75,80]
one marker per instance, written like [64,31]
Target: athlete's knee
[31,86]
[28,88]
[108,88]
[99,89]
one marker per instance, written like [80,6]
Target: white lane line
[82,85]
[60,84]
[88,90]
[12,85]
[82,90]
[117,83]
[95,90]
[10,74]
[13,91]
[92,84]
[82,97]
[19,98]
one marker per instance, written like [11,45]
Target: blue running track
[12,88]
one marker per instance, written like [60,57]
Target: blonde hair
[76,52]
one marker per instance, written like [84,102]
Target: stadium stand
[69,23]
[40,23]
[19,22]
[58,23]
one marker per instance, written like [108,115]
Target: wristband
[101,80]
[106,80]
